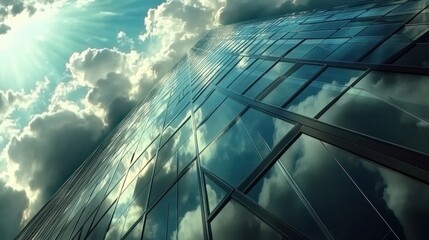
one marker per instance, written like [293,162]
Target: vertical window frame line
[201,182]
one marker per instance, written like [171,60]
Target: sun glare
[39,45]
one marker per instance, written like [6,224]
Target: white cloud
[49,150]
[91,65]
[121,35]
[11,100]
[12,206]
[4,28]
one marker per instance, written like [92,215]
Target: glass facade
[312,125]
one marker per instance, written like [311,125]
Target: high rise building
[310,125]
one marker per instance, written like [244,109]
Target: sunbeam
[39,45]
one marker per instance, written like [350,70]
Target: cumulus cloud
[4,28]
[52,147]
[11,100]
[12,206]
[93,64]
[11,8]
[107,73]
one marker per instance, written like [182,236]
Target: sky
[70,70]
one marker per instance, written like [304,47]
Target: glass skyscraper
[309,125]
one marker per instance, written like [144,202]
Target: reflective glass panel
[226,112]
[235,154]
[208,106]
[215,194]
[265,130]
[417,56]
[279,69]
[231,157]
[390,193]
[302,49]
[288,87]
[329,194]
[323,90]
[398,102]
[227,226]
[275,193]
[364,44]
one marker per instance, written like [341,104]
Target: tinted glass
[382,99]
[288,87]
[227,226]
[328,190]
[390,193]
[226,112]
[253,141]
[279,69]
[215,194]
[275,193]
[322,91]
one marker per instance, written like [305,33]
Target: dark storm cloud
[118,109]
[4,28]
[12,206]
[113,86]
[54,147]
[242,10]
[17,8]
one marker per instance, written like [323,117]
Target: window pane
[226,112]
[231,157]
[189,212]
[186,153]
[390,193]
[379,30]
[275,193]
[279,69]
[325,48]
[265,130]
[364,44]
[303,48]
[173,143]
[215,194]
[236,71]
[163,177]
[398,102]
[228,226]
[347,32]
[417,56]
[378,11]
[178,214]
[290,85]
[329,191]
[208,106]
[322,91]
[162,217]
[251,74]
[395,43]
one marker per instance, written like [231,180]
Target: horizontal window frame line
[407,48]
[344,64]
[369,154]
[409,162]
[364,66]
